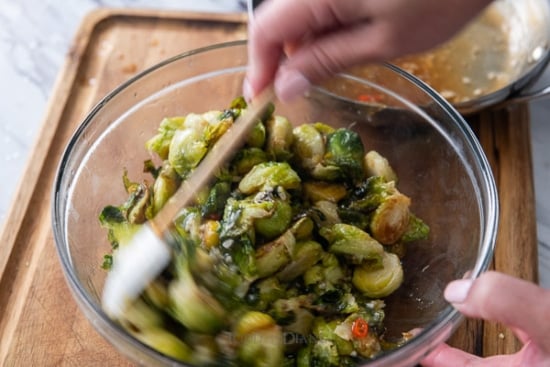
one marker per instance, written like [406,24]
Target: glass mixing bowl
[438,160]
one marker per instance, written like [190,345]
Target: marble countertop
[35,37]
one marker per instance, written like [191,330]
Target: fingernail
[290,84]
[457,291]
[247,90]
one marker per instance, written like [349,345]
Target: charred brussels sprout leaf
[215,202]
[111,215]
[416,230]
[369,194]
[107,262]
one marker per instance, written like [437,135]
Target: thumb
[498,297]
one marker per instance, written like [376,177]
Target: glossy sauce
[474,63]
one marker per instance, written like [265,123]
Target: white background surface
[35,35]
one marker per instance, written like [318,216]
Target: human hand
[522,306]
[322,37]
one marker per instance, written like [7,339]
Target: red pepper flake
[359,328]
[370,97]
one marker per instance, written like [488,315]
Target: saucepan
[494,61]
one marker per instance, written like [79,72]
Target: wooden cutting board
[40,324]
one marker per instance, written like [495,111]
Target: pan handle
[529,96]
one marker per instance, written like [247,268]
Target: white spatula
[147,254]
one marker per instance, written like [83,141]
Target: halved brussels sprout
[279,138]
[377,165]
[355,244]
[266,176]
[390,219]
[376,281]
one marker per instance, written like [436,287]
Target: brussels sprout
[246,159]
[198,122]
[308,146]
[264,292]
[324,330]
[316,191]
[210,234]
[252,321]
[193,306]
[325,276]
[303,228]
[323,128]
[365,344]
[166,184]
[369,194]
[214,204]
[160,143]
[138,315]
[224,279]
[239,216]
[279,138]
[302,324]
[329,213]
[238,103]
[166,343]
[390,219]
[120,231]
[416,230]
[275,224]
[274,255]
[345,150]
[377,165]
[368,347]
[188,224]
[187,149]
[325,353]
[156,293]
[303,358]
[378,282]
[243,255]
[284,310]
[257,136]
[268,175]
[304,256]
[261,340]
[135,208]
[215,128]
[357,245]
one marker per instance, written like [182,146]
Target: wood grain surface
[40,324]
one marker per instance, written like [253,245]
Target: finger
[334,52]
[497,297]
[446,356]
[292,20]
